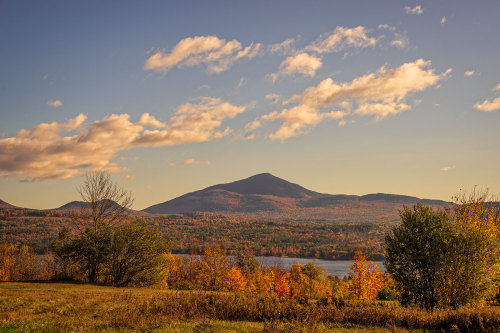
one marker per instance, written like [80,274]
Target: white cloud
[308,60]
[301,63]
[340,39]
[217,54]
[400,40]
[379,94]
[417,10]
[274,98]
[387,27]
[283,48]
[448,168]
[469,73]
[488,105]
[52,151]
[443,20]
[55,103]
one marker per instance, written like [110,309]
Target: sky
[169,97]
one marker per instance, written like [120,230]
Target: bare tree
[106,203]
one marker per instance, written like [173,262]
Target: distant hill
[77,205]
[270,196]
[4,204]
[73,205]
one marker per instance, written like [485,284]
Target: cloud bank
[379,94]
[64,150]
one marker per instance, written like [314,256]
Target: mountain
[4,204]
[77,205]
[73,205]
[270,196]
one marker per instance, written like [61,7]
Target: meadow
[66,307]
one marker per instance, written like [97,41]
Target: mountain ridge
[265,192]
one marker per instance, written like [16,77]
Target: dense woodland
[195,232]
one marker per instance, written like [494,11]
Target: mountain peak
[265,184]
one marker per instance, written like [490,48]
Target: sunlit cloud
[400,40]
[443,20]
[417,10]
[192,161]
[340,39]
[55,103]
[128,177]
[448,168]
[379,94]
[469,73]
[488,105]
[307,61]
[284,48]
[387,27]
[302,63]
[216,54]
[65,150]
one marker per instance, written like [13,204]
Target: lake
[338,268]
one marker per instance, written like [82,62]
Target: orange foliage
[366,279]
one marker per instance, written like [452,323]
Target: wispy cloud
[387,27]
[490,104]
[448,168]
[55,103]
[192,161]
[417,10]
[379,94]
[284,48]
[48,151]
[469,73]
[241,82]
[340,39]
[307,61]
[400,40]
[128,177]
[215,53]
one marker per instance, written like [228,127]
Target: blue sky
[348,97]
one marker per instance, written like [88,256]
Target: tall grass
[67,307]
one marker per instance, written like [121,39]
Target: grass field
[60,307]
[63,307]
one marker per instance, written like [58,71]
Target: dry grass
[50,307]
